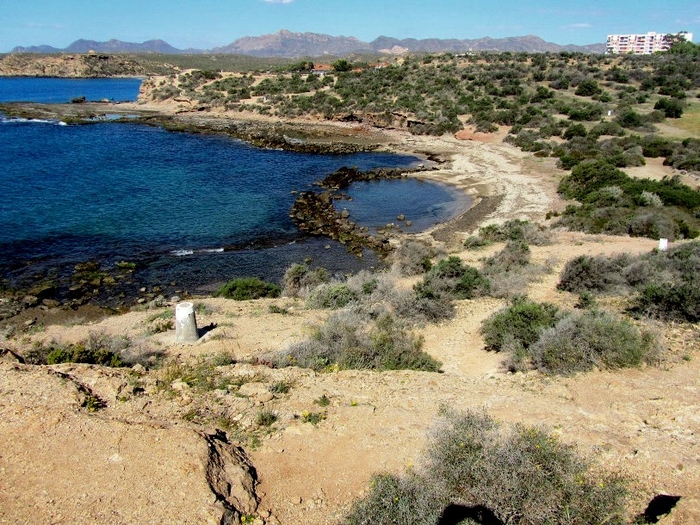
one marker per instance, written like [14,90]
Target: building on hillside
[641,44]
[322,69]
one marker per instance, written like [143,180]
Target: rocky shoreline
[90,282]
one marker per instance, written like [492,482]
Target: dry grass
[687,125]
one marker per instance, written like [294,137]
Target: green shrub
[517,474]
[98,349]
[589,182]
[586,301]
[517,230]
[522,321]
[629,118]
[588,88]
[347,341]
[514,256]
[676,301]
[672,107]
[79,354]
[452,278]
[331,295]
[266,418]
[665,281]
[582,341]
[245,288]
[590,176]
[599,273]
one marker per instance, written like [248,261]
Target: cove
[189,211]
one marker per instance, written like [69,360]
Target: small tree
[672,108]
[341,65]
[588,88]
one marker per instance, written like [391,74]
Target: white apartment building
[641,44]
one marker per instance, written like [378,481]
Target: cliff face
[78,66]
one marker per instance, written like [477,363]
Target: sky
[204,24]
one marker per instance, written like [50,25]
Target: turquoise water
[191,210]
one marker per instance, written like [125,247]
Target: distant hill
[287,44]
[529,43]
[111,46]
[290,45]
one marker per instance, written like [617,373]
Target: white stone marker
[185,323]
[663,245]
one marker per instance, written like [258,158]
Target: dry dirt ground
[143,457]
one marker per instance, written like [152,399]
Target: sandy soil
[139,459]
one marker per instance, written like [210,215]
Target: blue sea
[191,211]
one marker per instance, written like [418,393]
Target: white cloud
[278,1]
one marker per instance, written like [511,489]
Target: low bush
[517,230]
[450,277]
[346,340]
[675,302]
[494,474]
[406,500]
[615,203]
[665,282]
[419,308]
[474,242]
[581,341]
[299,279]
[514,256]
[671,223]
[97,349]
[245,288]
[331,295]
[413,257]
[521,321]
[266,418]
[599,273]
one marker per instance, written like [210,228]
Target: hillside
[80,66]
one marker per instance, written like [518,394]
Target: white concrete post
[663,245]
[185,323]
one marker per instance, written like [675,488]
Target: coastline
[480,171]
[149,429]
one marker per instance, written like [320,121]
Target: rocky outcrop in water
[315,213]
[299,138]
[344,177]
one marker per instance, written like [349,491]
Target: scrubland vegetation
[597,114]
[476,470]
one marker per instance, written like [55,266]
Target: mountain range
[290,45]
